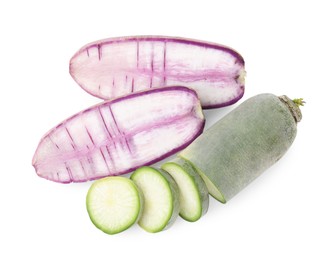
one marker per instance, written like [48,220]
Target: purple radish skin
[118,136]
[115,67]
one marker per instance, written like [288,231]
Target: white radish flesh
[114,204]
[118,136]
[118,66]
[193,192]
[161,198]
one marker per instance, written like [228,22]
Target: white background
[285,214]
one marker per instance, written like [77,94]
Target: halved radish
[120,135]
[193,192]
[114,67]
[161,198]
[114,204]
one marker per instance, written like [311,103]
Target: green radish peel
[243,144]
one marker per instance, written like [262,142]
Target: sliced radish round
[161,203]
[113,204]
[193,192]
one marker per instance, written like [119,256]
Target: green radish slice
[193,192]
[161,198]
[114,204]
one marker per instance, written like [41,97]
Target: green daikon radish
[243,144]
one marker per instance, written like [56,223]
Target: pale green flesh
[213,191]
[113,204]
[158,199]
[189,194]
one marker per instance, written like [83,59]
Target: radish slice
[114,204]
[118,136]
[161,198]
[193,192]
[118,66]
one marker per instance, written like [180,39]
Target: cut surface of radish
[213,191]
[193,192]
[161,198]
[120,135]
[113,204]
[114,67]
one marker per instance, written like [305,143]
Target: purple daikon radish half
[114,67]
[117,136]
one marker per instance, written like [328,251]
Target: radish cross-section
[118,66]
[120,135]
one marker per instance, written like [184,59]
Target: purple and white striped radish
[115,67]
[120,135]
